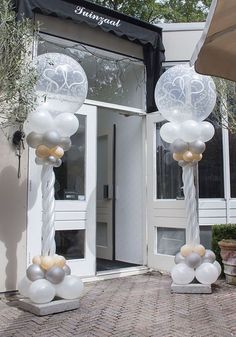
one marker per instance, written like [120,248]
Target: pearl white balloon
[189,130]
[183,94]
[207,273]
[23,286]
[218,266]
[66,124]
[182,274]
[41,291]
[179,258]
[207,131]
[70,288]
[169,132]
[39,121]
[209,256]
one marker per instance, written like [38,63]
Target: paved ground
[137,306]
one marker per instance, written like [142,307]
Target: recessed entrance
[120,179]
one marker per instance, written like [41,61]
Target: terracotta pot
[228,254]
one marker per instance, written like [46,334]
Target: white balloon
[207,273]
[189,130]
[39,121]
[23,286]
[41,291]
[66,124]
[207,131]
[218,266]
[70,288]
[182,274]
[169,132]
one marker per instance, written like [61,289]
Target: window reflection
[70,243]
[70,176]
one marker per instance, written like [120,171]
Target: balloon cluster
[61,90]
[195,262]
[47,277]
[185,99]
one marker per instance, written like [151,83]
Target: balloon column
[185,99]
[61,90]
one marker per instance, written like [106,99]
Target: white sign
[79,10]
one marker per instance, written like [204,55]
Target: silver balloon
[51,138]
[55,275]
[193,260]
[34,139]
[182,163]
[197,146]
[65,143]
[58,163]
[209,256]
[40,161]
[51,160]
[179,146]
[179,258]
[67,269]
[34,272]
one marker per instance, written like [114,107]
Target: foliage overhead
[17,74]
[161,11]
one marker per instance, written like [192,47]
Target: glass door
[75,195]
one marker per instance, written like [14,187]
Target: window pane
[232,156]
[206,236]
[111,77]
[211,181]
[70,176]
[70,243]
[170,240]
[169,174]
[102,239]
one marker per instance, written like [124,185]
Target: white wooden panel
[69,225]
[70,216]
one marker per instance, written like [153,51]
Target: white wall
[13,208]
[130,190]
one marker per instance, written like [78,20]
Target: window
[70,243]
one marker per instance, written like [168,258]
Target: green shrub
[220,232]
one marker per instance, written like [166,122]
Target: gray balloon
[51,160]
[58,163]
[51,138]
[179,146]
[67,269]
[34,272]
[65,143]
[179,258]
[55,275]
[34,139]
[197,146]
[40,161]
[209,256]
[182,163]
[193,260]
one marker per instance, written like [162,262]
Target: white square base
[192,288]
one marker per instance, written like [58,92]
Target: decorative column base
[54,307]
[192,288]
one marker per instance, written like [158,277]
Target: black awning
[110,21]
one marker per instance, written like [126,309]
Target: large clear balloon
[70,288]
[183,94]
[62,84]
[182,274]
[66,124]
[23,286]
[41,291]
[207,273]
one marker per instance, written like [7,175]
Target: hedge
[220,232]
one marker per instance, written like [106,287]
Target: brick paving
[136,306]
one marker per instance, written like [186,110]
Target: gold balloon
[57,152]
[186,250]
[42,151]
[177,156]
[36,260]
[199,249]
[47,262]
[59,261]
[197,156]
[188,156]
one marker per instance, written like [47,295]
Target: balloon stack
[185,99]
[61,90]
[47,277]
[195,262]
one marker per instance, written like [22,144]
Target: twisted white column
[192,228]
[48,204]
